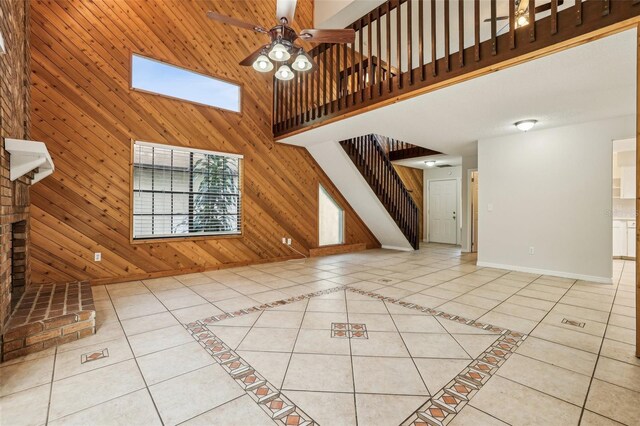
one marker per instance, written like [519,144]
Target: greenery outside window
[183,192]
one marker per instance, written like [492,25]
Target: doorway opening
[623,211]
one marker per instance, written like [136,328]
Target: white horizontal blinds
[182,192]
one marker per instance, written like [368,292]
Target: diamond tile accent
[93,356]
[438,410]
[573,323]
[349,331]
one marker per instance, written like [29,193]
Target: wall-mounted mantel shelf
[27,156]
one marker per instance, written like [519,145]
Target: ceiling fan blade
[547,6]
[249,60]
[498,18]
[329,36]
[235,22]
[286,9]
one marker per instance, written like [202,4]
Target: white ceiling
[586,83]
[440,159]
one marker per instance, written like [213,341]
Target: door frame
[428,211]
[469,217]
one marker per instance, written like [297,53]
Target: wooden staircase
[373,162]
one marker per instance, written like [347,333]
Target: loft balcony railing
[406,46]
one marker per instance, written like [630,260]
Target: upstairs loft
[428,45]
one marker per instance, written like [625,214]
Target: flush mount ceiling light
[282,43]
[525,125]
[430,163]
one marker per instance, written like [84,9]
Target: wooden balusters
[379,49]
[324,90]
[353,74]
[578,7]
[399,44]
[476,29]
[361,81]
[434,57]
[369,57]
[421,37]
[532,20]
[388,21]
[494,25]
[512,24]
[554,16]
[409,43]
[461,33]
[447,42]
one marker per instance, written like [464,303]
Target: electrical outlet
[97,257]
[284,240]
[532,250]
[288,241]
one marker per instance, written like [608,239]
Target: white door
[443,204]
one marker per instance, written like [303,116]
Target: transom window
[180,192]
[160,78]
[330,220]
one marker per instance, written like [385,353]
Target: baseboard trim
[592,278]
[396,248]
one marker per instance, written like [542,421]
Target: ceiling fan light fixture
[301,63]
[262,64]
[279,53]
[284,73]
[522,20]
[525,125]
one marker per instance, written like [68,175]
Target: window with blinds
[182,192]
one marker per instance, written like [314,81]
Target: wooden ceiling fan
[282,47]
[522,12]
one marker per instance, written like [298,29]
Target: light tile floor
[575,366]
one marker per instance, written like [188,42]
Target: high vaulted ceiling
[589,82]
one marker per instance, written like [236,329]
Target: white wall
[345,176]
[468,165]
[440,173]
[551,190]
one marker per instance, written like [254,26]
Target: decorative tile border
[347,330]
[573,323]
[93,356]
[264,306]
[435,313]
[442,407]
[281,409]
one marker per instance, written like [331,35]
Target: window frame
[343,230]
[182,237]
[173,64]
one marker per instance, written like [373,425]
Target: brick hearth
[49,315]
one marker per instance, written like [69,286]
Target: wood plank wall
[84,110]
[14,123]
[413,179]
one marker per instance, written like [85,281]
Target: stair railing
[374,164]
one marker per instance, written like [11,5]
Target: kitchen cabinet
[620,245]
[628,182]
[631,239]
